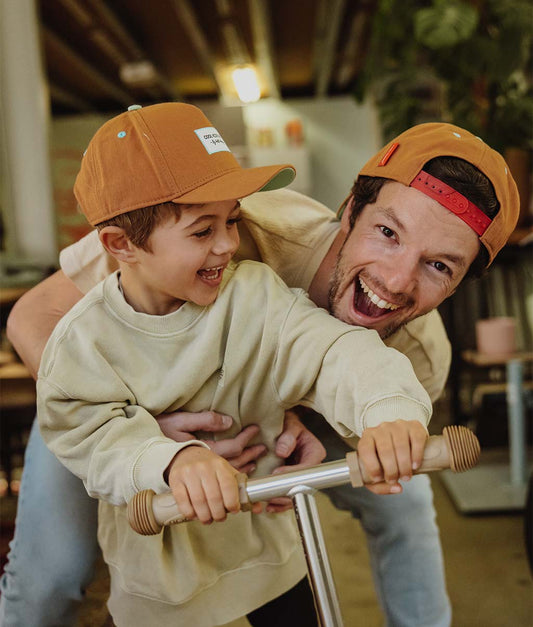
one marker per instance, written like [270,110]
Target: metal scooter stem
[316,555]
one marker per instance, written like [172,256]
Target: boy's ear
[118,244]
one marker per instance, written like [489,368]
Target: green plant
[464,62]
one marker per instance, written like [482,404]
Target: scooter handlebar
[457,448]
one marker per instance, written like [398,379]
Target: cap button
[134,107]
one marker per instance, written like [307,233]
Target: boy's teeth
[211,273]
[379,302]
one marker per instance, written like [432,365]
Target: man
[434,205]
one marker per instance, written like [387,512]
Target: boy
[180,326]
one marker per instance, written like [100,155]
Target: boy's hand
[203,484]
[390,452]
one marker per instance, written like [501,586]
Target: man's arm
[35,315]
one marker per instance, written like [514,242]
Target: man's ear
[118,244]
[345,218]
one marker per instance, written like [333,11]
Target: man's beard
[334,286]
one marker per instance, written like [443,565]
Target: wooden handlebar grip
[148,516]
[457,448]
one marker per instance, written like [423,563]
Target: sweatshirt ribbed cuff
[152,462]
[395,408]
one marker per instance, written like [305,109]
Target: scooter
[457,448]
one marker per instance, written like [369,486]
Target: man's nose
[401,274]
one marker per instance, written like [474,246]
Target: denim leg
[53,551]
[403,543]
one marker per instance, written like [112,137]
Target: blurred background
[321,84]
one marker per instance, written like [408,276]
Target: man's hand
[297,445]
[390,452]
[300,448]
[180,427]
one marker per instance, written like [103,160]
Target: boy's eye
[386,231]
[203,233]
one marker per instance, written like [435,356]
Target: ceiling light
[138,74]
[246,84]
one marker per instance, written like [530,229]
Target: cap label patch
[211,140]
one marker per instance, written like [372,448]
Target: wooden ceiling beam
[189,21]
[70,100]
[354,52]
[235,47]
[263,45]
[133,48]
[82,67]
[329,16]
[100,22]
[106,16]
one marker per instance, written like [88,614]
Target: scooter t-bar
[458,449]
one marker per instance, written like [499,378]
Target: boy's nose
[225,243]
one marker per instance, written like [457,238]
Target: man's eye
[203,233]
[441,267]
[386,231]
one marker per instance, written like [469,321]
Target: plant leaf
[445,25]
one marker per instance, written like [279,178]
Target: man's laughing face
[405,254]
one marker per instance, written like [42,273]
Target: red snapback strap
[452,200]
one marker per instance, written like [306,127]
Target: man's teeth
[379,302]
[211,273]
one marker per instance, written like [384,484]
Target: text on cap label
[211,140]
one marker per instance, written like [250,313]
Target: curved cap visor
[239,184]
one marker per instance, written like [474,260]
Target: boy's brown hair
[139,224]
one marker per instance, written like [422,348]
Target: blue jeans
[54,548]
[53,551]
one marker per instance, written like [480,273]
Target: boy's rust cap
[164,152]
[404,157]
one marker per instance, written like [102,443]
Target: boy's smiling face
[187,259]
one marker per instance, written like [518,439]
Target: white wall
[340,135]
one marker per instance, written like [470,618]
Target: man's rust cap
[403,159]
[161,153]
